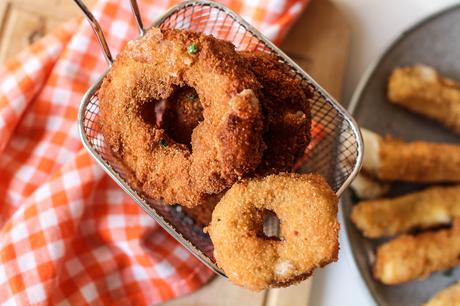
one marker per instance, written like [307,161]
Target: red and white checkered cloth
[68,234]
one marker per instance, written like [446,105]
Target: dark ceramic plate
[436,42]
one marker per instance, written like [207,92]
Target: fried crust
[286,105]
[447,297]
[183,112]
[410,257]
[202,214]
[391,159]
[307,209]
[227,144]
[286,109]
[418,161]
[423,90]
[387,217]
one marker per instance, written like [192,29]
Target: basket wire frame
[335,151]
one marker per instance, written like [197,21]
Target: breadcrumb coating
[390,159]
[307,209]
[287,118]
[225,146]
[447,297]
[410,257]
[427,208]
[423,90]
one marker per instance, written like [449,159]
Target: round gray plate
[436,42]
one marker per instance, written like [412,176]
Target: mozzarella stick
[410,257]
[388,217]
[423,162]
[368,188]
[422,90]
[447,297]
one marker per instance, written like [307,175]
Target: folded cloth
[68,234]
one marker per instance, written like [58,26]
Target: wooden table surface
[319,42]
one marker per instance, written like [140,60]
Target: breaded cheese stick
[410,257]
[368,188]
[422,90]
[388,217]
[395,160]
[447,297]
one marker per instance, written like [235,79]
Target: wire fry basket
[335,150]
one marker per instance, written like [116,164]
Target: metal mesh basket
[335,150]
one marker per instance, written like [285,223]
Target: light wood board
[319,42]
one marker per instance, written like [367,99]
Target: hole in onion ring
[151,111]
[178,115]
[182,114]
[271,226]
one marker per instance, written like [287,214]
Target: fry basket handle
[97,30]
[137,16]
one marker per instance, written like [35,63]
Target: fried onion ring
[285,102]
[226,145]
[183,112]
[286,108]
[307,209]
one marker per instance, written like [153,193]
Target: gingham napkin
[69,235]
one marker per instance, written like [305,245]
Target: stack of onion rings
[285,104]
[190,117]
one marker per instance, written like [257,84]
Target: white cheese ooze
[426,73]
[371,159]
[283,268]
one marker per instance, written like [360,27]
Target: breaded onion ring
[183,112]
[307,209]
[202,214]
[285,102]
[226,145]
